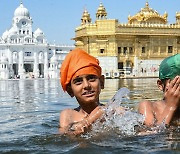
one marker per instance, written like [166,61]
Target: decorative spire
[86,19]
[21,3]
[101,12]
[178,18]
[147,4]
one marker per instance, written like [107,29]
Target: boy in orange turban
[81,77]
[167,110]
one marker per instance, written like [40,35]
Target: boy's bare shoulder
[151,103]
[145,106]
[67,111]
[145,103]
[158,104]
[66,116]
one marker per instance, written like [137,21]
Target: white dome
[12,31]
[38,32]
[5,34]
[21,11]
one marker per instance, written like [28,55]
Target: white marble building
[27,54]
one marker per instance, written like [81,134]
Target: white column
[10,59]
[36,63]
[46,64]
[21,65]
[135,68]
[54,70]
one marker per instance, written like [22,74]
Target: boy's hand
[172,98]
[95,114]
[172,93]
[79,127]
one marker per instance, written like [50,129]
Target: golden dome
[148,15]
[101,12]
[178,18]
[177,14]
[85,17]
[79,43]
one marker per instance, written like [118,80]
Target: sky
[59,18]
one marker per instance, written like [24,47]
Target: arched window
[40,54]
[15,55]
[41,57]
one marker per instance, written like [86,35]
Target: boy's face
[86,88]
[164,85]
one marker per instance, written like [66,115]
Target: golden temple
[134,48]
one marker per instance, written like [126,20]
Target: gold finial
[101,12]
[85,17]
[147,4]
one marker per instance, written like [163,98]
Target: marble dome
[38,32]
[5,34]
[21,11]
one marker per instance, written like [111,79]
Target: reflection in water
[111,86]
[29,119]
[140,89]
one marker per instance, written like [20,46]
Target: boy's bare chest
[76,116]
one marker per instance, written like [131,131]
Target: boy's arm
[95,114]
[83,125]
[172,99]
[75,128]
[65,121]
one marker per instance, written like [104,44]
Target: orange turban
[78,62]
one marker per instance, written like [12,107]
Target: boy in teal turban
[165,111]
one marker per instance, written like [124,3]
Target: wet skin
[166,110]
[86,88]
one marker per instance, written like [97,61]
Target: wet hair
[164,83]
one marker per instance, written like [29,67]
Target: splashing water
[117,99]
[121,120]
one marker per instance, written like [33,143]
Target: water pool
[29,120]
